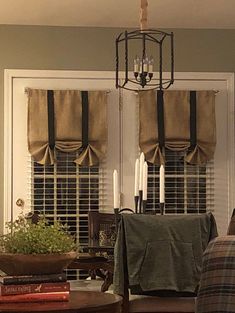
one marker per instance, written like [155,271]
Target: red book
[33,288]
[36,297]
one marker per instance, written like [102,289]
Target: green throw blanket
[161,252]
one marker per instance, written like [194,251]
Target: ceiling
[122,13]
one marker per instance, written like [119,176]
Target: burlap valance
[67,130]
[177,120]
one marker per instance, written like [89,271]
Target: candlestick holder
[140,200]
[136,198]
[162,207]
[144,205]
[116,212]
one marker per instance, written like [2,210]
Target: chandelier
[155,49]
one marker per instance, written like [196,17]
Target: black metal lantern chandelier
[156,42]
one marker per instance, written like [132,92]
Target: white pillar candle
[137,171]
[141,171]
[151,65]
[162,184]
[136,64]
[115,190]
[145,180]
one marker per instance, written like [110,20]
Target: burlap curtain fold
[176,112]
[67,125]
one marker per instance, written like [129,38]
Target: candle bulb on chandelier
[145,64]
[151,65]
[136,65]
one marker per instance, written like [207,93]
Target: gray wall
[71,48]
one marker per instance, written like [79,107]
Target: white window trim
[10,74]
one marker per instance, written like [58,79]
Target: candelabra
[136,199]
[143,70]
[162,207]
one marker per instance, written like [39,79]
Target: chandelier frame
[143,77]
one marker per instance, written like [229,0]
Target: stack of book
[35,288]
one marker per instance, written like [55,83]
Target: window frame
[125,180]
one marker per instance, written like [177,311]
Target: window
[122,144]
[188,188]
[66,192]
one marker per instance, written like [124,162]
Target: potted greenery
[32,246]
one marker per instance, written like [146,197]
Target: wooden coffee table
[79,302]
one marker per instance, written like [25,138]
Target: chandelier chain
[143,14]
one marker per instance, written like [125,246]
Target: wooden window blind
[188,188]
[66,192]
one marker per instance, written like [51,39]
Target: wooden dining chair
[101,228]
[96,260]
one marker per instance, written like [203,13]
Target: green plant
[27,237]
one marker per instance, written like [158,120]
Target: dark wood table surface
[79,302]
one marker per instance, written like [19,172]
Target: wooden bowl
[35,264]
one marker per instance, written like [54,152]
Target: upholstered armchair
[217,284]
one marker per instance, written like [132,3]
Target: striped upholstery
[217,286]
